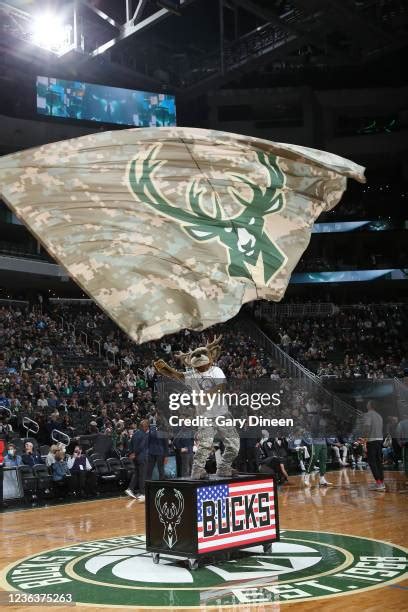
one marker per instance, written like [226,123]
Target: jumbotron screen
[86,101]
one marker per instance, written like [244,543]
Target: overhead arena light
[50,33]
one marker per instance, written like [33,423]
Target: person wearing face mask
[11,459]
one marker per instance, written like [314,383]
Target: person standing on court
[317,442]
[318,454]
[158,450]
[373,431]
[183,443]
[138,452]
[402,437]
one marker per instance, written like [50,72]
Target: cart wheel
[156,558]
[193,564]
[267,548]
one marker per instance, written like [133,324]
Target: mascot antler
[214,348]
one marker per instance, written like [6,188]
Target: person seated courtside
[270,458]
[30,456]
[84,479]
[61,475]
[11,458]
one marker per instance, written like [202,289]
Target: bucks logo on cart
[301,567]
[243,234]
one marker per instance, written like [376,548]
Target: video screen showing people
[86,101]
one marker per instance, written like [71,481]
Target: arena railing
[82,333]
[295,370]
[290,365]
[319,309]
[68,301]
[276,311]
[30,426]
[99,345]
[6,409]
[373,306]
[11,302]
[65,437]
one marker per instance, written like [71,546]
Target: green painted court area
[303,566]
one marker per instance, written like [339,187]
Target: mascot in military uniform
[202,374]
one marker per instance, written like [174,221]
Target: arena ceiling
[190,46]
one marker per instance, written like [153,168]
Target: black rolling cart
[202,518]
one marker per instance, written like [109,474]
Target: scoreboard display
[91,102]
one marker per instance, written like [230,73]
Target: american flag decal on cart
[235,514]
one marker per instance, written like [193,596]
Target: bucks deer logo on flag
[244,235]
[174,228]
[230,515]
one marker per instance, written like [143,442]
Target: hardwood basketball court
[347,508]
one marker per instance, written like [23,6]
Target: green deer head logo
[243,235]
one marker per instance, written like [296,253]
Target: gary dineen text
[223,420]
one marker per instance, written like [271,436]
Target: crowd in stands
[88,392]
[363,341]
[52,372]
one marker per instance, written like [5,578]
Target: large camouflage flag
[172,228]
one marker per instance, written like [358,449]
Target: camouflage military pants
[205,439]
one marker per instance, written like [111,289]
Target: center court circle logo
[303,566]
